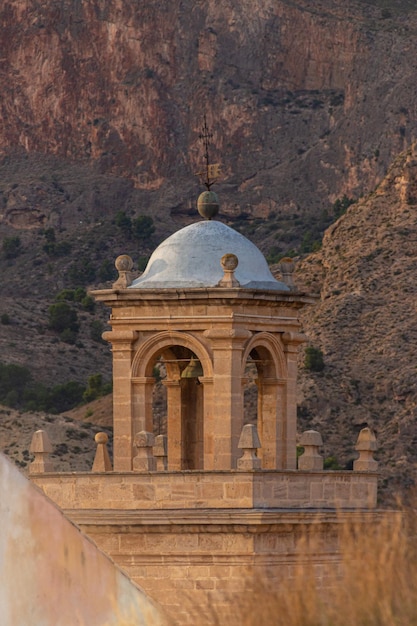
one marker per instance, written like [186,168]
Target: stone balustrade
[151,486]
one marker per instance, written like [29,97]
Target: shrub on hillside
[143,227]
[82,272]
[13,381]
[20,391]
[313,359]
[96,388]
[63,318]
[12,247]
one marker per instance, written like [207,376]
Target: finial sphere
[229,262]
[208,204]
[101,438]
[123,263]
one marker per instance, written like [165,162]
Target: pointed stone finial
[160,453]
[229,263]
[366,445]
[311,441]
[124,266]
[249,443]
[102,461]
[144,461]
[287,267]
[41,447]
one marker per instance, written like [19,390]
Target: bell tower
[206,305]
[194,510]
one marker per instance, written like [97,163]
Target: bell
[193,369]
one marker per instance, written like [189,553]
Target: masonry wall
[219,490]
[198,568]
[195,540]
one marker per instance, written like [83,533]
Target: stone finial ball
[101,438]
[123,263]
[229,262]
[208,204]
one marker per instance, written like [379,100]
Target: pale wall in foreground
[51,574]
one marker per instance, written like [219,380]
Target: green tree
[143,227]
[82,272]
[96,330]
[313,359]
[62,317]
[107,271]
[54,248]
[65,397]
[341,205]
[88,304]
[96,388]
[12,247]
[13,381]
[123,222]
[65,294]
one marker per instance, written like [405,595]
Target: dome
[191,258]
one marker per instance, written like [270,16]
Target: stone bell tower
[205,306]
[193,509]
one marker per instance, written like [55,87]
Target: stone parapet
[207,490]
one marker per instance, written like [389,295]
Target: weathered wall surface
[52,574]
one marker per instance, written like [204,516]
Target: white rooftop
[191,258]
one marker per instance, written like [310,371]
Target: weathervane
[210,175]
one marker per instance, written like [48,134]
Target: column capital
[121,338]
[171,383]
[227,333]
[293,338]
[292,341]
[273,381]
[143,380]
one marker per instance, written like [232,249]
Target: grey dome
[191,258]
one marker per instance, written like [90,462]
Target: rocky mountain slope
[365,325]
[101,108]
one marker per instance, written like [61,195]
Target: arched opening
[178,406]
[263,402]
[250,392]
[159,398]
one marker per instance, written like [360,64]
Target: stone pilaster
[292,341]
[122,348]
[271,392]
[227,399]
[174,424]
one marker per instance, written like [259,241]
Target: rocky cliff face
[307,101]
[364,323]
[101,105]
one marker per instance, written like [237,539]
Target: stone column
[142,415]
[123,432]
[224,428]
[208,439]
[174,424]
[271,392]
[292,341]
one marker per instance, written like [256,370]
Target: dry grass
[376,584]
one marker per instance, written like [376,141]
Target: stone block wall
[218,490]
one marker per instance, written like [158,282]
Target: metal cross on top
[210,175]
